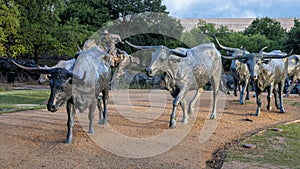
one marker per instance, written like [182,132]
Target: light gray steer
[268,71]
[186,71]
[94,64]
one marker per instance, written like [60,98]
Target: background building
[235,24]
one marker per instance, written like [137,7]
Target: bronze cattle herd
[82,80]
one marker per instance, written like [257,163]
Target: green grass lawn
[273,148]
[17,100]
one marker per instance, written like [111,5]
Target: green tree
[194,37]
[10,44]
[271,29]
[90,13]
[206,28]
[293,40]
[124,8]
[39,19]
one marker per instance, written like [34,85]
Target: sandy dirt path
[34,139]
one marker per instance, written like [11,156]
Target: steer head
[60,84]
[233,52]
[163,58]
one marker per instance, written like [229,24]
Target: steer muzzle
[253,76]
[51,107]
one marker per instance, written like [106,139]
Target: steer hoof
[269,108]
[68,141]
[212,116]
[172,124]
[185,121]
[91,131]
[282,110]
[242,102]
[103,122]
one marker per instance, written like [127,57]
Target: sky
[233,8]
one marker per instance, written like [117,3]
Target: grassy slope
[273,148]
[17,100]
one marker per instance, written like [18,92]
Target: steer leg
[215,81]
[269,97]
[280,89]
[235,84]
[104,120]
[195,99]
[70,123]
[99,106]
[92,109]
[258,100]
[276,99]
[185,114]
[247,90]
[287,86]
[176,101]
[242,92]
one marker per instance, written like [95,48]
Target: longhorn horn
[234,57]
[79,49]
[180,54]
[278,56]
[142,47]
[40,70]
[290,53]
[275,56]
[262,50]
[225,47]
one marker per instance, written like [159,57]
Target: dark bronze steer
[63,81]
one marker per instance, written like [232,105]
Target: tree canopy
[293,40]
[53,28]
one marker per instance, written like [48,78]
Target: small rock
[277,129]
[247,119]
[250,146]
